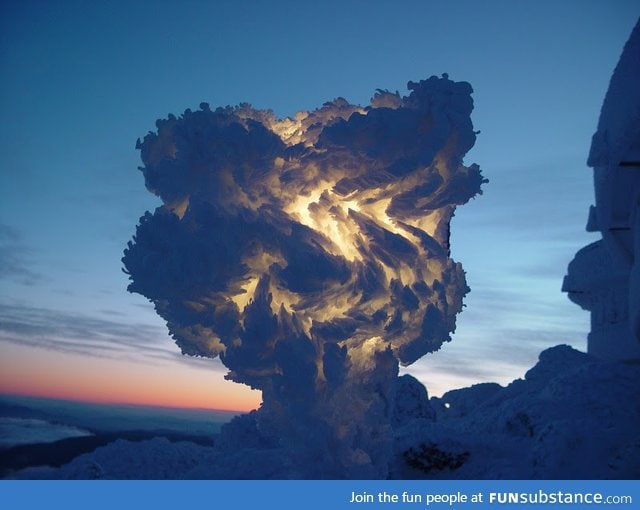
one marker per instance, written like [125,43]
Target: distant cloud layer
[87,335]
[310,253]
[15,258]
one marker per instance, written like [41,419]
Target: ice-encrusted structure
[604,277]
[312,255]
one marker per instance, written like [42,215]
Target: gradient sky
[81,81]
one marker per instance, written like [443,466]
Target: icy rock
[572,417]
[411,401]
[461,401]
[554,361]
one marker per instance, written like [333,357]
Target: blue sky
[83,80]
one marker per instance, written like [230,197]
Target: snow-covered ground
[571,417]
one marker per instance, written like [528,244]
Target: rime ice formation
[312,255]
[604,277]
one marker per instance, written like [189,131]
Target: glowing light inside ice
[310,253]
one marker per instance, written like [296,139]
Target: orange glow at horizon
[36,372]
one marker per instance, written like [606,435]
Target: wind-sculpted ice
[312,255]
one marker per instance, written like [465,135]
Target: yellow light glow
[248,290]
[180,207]
[283,298]
[299,208]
